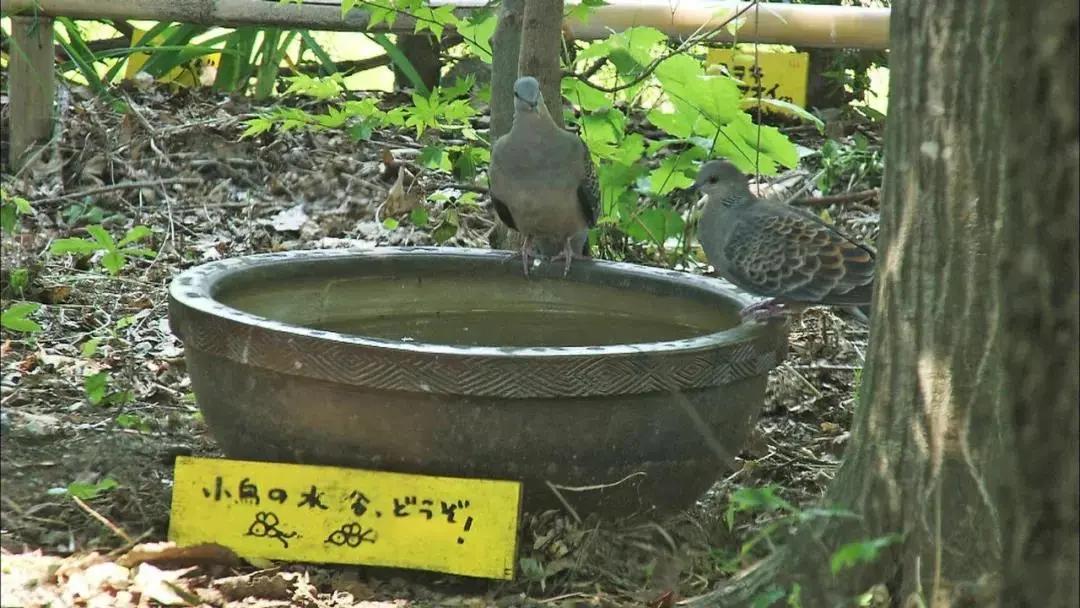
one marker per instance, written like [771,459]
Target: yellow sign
[347,516]
[184,75]
[783,75]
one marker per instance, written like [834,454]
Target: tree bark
[422,51]
[505,50]
[541,48]
[1040,266]
[965,439]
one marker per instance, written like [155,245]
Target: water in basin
[479,310]
[505,328]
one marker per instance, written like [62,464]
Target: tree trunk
[541,48]
[532,50]
[505,50]
[823,91]
[422,51]
[968,367]
[1040,269]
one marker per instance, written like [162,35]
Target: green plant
[133,422]
[784,517]
[847,164]
[97,389]
[11,209]
[116,254]
[20,280]
[861,551]
[17,317]
[775,593]
[84,490]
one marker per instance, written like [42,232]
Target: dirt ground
[209,194]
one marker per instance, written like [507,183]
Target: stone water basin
[618,389]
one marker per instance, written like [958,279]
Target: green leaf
[432,157]
[257,125]
[74,245]
[20,280]
[8,219]
[615,183]
[133,421]
[137,233]
[419,217]
[477,31]
[464,162]
[447,229]
[635,43]
[96,387]
[361,131]
[90,347]
[857,552]
[87,491]
[23,206]
[113,261]
[102,236]
[654,225]
[327,67]
[235,67]
[531,568]
[677,124]
[672,172]
[141,252]
[11,207]
[390,223]
[16,317]
[582,11]
[434,19]
[755,499]
[583,95]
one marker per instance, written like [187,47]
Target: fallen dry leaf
[291,219]
[164,586]
[403,196]
[168,555]
[55,294]
[271,586]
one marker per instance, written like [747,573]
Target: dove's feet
[526,249]
[769,310]
[569,255]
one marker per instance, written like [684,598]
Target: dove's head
[720,179]
[527,96]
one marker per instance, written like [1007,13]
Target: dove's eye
[714,179]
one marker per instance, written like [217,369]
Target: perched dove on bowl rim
[543,182]
[771,249]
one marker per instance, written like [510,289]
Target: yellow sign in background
[783,75]
[184,75]
[347,516]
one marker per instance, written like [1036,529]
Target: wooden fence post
[31,86]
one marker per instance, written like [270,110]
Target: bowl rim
[192,289]
[209,327]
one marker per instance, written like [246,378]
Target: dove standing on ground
[543,183]
[771,249]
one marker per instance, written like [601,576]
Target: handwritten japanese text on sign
[338,515]
[782,75]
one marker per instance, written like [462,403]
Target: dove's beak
[531,103]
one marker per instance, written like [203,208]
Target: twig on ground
[838,199]
[150,183]
[104,520]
